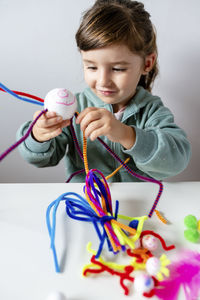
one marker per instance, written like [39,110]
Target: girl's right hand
[48,126]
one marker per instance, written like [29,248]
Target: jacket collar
[140,99]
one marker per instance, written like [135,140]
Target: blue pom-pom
[134,224]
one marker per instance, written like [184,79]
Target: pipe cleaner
[100,265]
[18,95]
[38,100]
[160,217]
[98,196]
[97,208]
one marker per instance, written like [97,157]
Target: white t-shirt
[118,115]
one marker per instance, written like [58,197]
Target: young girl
[117,44]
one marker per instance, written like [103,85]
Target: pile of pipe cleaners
[146,273]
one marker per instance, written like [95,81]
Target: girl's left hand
[95,122]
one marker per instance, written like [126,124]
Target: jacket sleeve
[161,149]
[42,154]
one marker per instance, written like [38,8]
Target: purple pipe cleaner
[136,175]
[15,145]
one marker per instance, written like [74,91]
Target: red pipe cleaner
[123,275]
[145,232]
[26,95]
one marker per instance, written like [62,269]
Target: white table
[26,262]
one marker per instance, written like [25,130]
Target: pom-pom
[190,221]
[143,283]
[56,296]
[133,224]
[153,265]
[191,235]
[149,242]
[61,101]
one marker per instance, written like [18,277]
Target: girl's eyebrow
[88,61]
[112,63]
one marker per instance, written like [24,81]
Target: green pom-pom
[191,235]
[191,221]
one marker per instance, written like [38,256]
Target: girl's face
[113,73]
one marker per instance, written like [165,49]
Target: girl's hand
[48,126]
[96,122]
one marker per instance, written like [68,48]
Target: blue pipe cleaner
[77,208]
[19,97]
[94,177]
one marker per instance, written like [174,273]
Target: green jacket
[161,149]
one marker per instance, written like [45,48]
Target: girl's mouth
[106,93]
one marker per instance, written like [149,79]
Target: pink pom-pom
[150,242]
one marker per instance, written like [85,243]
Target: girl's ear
[149,63]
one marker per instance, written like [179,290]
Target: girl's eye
[119,69]
[114,69]
[91,68]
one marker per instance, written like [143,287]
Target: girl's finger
[88,119]
[47,115]
[93,126]
[85,112]
[65,123]
[54,122]
[52,134]
[50,114]
[50,122]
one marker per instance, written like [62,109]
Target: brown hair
[110,22]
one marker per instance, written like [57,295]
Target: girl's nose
[104,78]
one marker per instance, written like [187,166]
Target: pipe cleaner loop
[77,208]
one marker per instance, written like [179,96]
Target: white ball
[143,283]
[153,265]
[61,101]
[56,296]
[150,242]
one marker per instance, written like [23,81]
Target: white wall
[38,53]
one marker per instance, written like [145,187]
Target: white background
[38,53]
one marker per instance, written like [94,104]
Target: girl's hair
[110,22]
